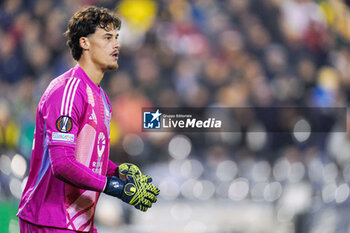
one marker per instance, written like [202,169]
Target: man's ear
[84,43]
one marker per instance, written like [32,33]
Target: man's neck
[92,71]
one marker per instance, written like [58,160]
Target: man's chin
[113,67]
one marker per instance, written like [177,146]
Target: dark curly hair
[85,22]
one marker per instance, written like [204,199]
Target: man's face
[104,48]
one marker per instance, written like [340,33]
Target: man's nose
[116,44]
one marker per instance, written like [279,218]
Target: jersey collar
[81,73]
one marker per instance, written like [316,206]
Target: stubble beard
[113,67]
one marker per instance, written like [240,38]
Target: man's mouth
[115,55]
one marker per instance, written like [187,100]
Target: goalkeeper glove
[129,169]
[133,191]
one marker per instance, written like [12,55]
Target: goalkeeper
[70,163]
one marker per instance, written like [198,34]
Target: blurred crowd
[196,53]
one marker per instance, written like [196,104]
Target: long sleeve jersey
[70,155]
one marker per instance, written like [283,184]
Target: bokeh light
[226,170]
[296,172]
[15,187]
[179,147]
[109,211]
[170,189]
[328,192]
[5,164]
[330,172]
[187,188]
[191,168]
[204,190]
[133,144]
[272,191]
[239,189]
[257,191]
[261,171]
[302,130]
[18,165]
[256,138]
[342,193]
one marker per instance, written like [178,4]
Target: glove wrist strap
[114,186]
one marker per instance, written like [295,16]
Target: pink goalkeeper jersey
[73,112]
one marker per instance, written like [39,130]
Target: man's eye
[108,38]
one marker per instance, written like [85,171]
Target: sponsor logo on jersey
[93,117]
[101,144]
[63,137]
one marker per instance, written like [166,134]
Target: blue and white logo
[151,120]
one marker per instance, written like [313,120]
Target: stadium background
[197,53]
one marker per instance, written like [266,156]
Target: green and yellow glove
[140,193]
[134,191]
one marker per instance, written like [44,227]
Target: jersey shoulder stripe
[68,96]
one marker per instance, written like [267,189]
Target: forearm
[66,168]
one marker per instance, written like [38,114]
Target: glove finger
[147,203]
[134,172]
[129,169]
[141,207]
[146,179]
[123,168]
[124,172]
[152,188]
[144,208]
[152,198]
